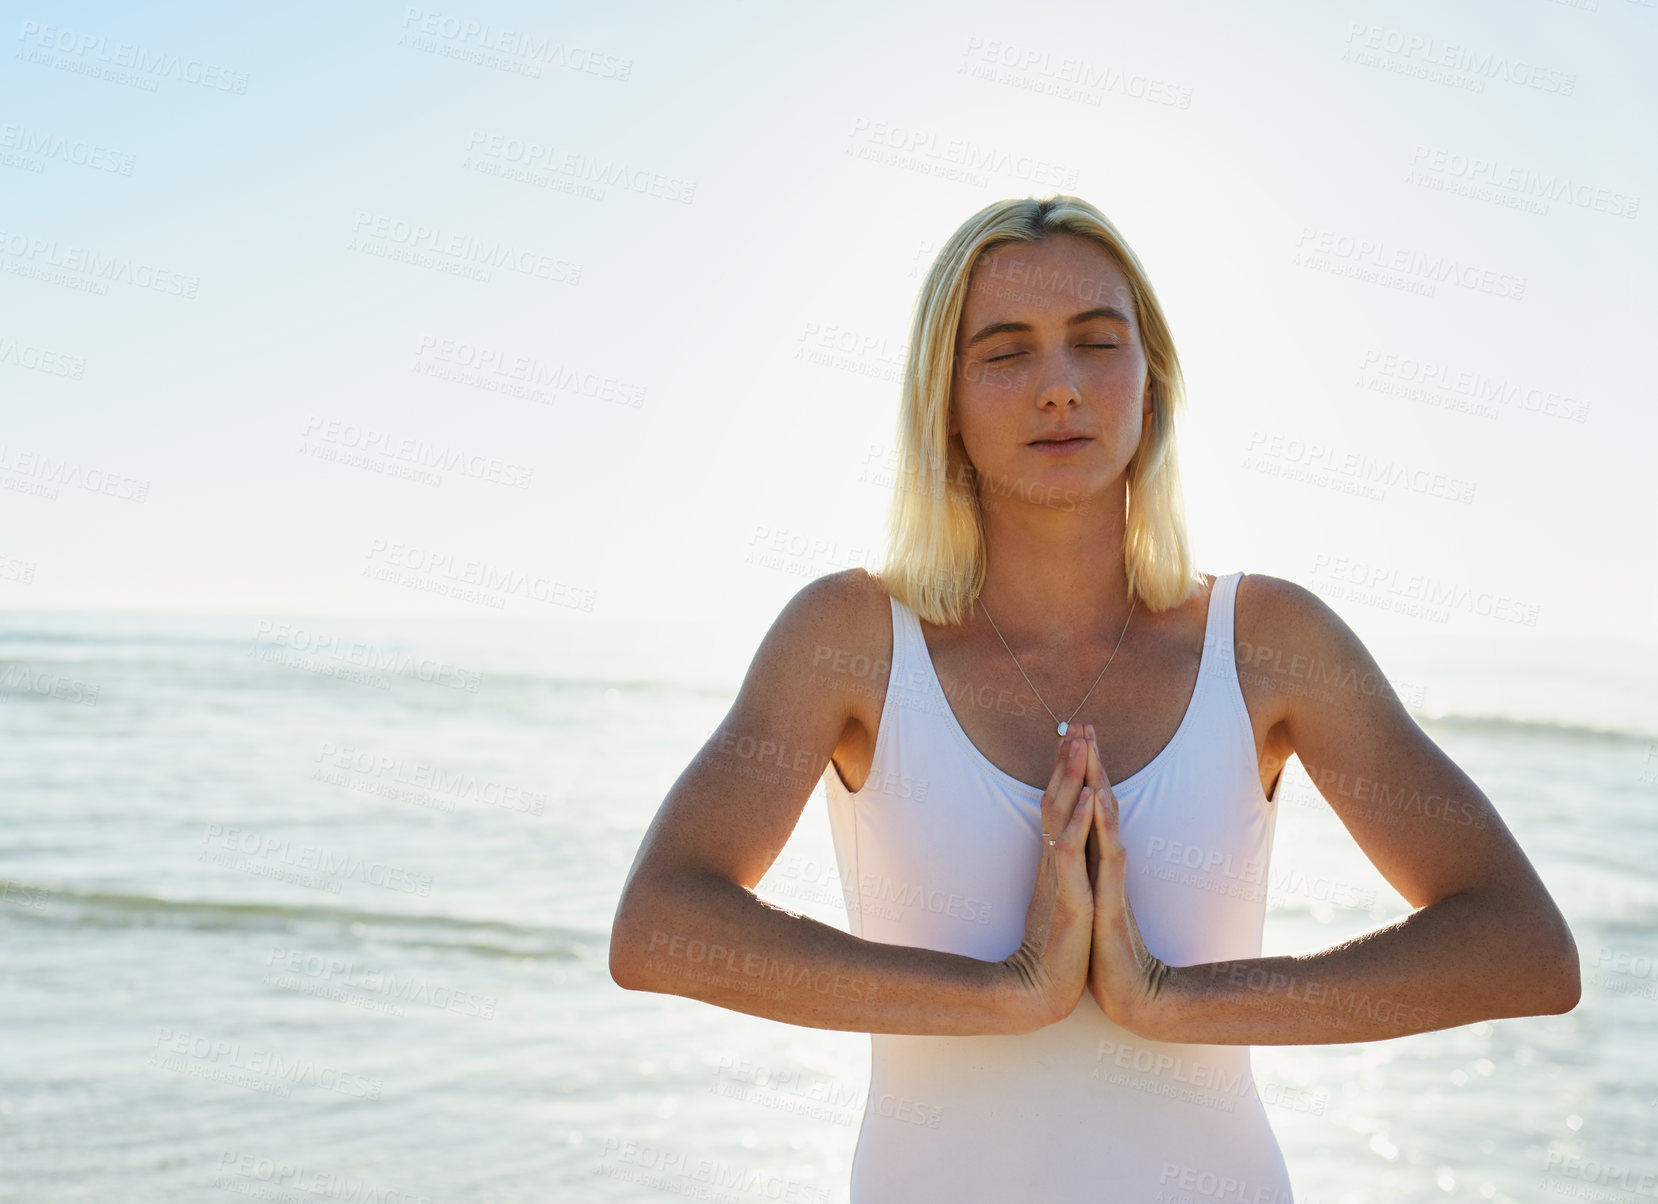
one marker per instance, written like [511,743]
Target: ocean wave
[1513,725]
[487,938]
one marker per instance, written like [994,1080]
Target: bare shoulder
[848,613]
[1275,615]
[1265,599]
[855,599]
[1296,654]
[846,620]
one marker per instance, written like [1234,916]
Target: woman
[1056,946]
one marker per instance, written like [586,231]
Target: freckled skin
[1486,940]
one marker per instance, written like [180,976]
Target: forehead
[1062,274]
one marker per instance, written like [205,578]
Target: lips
[1058,445]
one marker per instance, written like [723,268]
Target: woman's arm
[688,921]
[1487,940]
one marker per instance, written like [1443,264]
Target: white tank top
[940,849]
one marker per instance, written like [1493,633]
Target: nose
[1060,395]
[1059,389]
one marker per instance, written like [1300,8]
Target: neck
[1053,574]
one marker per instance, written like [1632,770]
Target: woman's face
[1048,345]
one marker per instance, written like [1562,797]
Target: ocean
[319,909]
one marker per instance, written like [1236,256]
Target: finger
[1076,831]
[1073,844]
[1111,837]
[1070,782]
[1103,820]
[1050,796]
[1094,775]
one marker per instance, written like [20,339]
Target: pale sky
[1397,234]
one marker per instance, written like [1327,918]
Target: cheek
[990,380]
[1122,372]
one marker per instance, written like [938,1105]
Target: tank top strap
[900,699]
[916,721]
[1231,713]
[909,650]
[1222,606]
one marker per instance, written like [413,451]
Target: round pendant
[1062,726]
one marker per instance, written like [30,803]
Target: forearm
[1456,961]
[713,940]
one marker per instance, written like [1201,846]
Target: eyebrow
[1104,311]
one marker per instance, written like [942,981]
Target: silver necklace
[1064,723]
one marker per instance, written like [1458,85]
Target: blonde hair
[935,558]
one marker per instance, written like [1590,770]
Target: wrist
[1019,1006]
[1156,1017]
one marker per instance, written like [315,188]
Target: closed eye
[1091,346]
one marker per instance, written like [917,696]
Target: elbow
[1562,994]
[1554,973]
[623,965]
[1537,972]
[627,958]
[648,933]
[1568,978]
